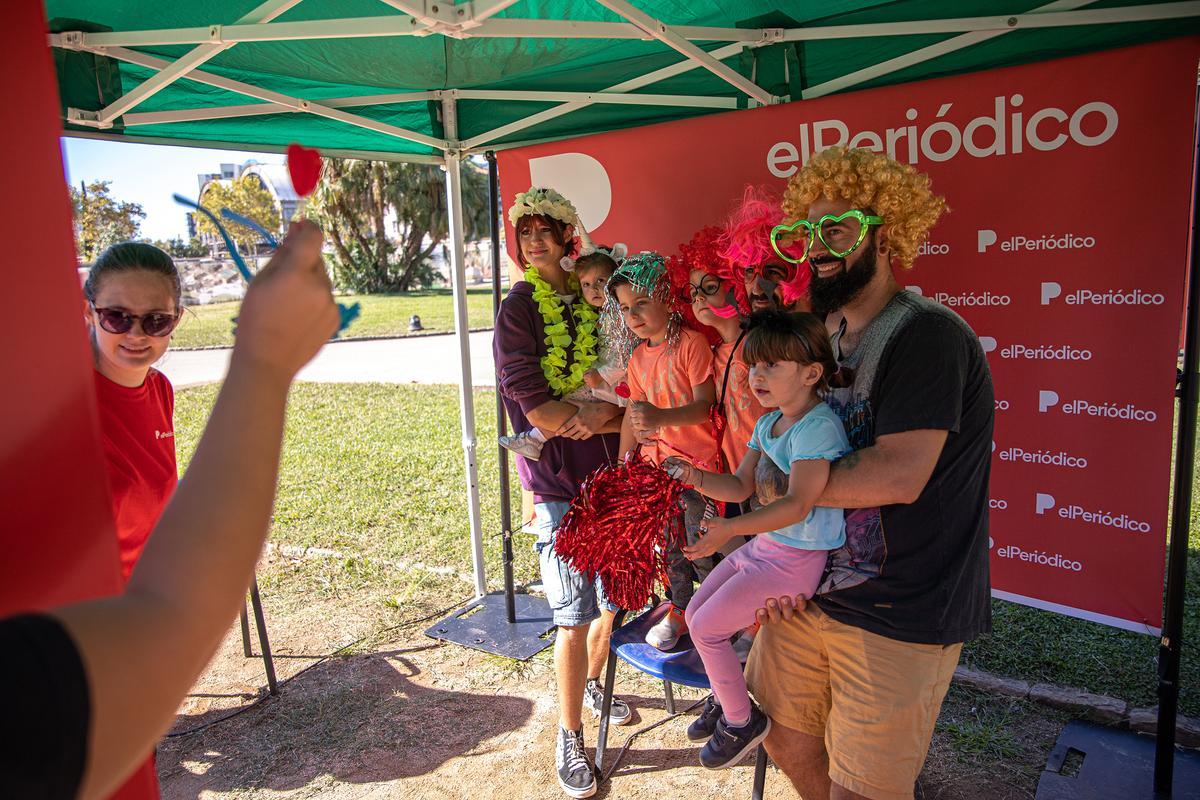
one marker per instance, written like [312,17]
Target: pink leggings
[727,599]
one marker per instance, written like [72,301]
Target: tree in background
[353,201]
[101,220]
[178,248]
[246,196]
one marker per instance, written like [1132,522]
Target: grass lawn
[377,471]
[381,315]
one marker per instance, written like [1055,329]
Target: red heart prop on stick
[304,166]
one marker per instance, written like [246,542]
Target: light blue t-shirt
[818,434]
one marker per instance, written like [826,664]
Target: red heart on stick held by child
[622,390]
[304,166]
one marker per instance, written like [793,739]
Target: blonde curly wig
[869,180]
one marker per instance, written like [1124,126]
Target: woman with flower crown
[545,341]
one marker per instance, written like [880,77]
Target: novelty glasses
[114,320]
[708,286]
[840,234]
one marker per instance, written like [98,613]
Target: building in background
[273,177]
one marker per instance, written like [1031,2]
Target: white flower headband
[549,203]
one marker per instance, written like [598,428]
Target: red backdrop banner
[58,538]
[1066,250]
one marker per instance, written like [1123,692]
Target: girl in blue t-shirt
[787,466]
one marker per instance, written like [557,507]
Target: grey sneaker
[523,445]
[702,727]
[668,631]
[575,773]
[593,700]
[730,745]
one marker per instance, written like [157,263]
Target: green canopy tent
[435,81]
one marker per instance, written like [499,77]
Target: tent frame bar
[261,109]
[625,86]
[215,35]
[668,36]
[182,66]
[366,155]
[91,118]
[471,19]
[1054,9]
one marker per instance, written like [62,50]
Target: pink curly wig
[746,242]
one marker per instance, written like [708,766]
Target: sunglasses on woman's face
[114,320]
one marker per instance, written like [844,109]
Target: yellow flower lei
[558,337]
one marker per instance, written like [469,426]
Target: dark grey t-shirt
[918,572]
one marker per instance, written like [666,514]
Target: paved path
[418,359]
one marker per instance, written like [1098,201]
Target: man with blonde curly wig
[854,680]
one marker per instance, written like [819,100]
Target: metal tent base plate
[1115,764]
[482,624]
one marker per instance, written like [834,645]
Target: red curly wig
[699,253]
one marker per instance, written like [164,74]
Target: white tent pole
[671,39]
[194,58]
[926,53]
[466,397]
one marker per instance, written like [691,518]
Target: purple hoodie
[518,346]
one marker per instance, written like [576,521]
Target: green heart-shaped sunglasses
[841,234]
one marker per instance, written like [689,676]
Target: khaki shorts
[874,700]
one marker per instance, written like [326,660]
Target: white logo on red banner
[1048,399]
[1006,130]
[1052,290]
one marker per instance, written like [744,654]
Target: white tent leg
[466,398]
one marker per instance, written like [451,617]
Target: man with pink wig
[761,279]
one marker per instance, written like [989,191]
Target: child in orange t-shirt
[670,393]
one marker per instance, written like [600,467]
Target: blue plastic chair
[680,665]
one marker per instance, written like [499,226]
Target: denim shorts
[573,599]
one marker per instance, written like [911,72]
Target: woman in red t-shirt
[132,294]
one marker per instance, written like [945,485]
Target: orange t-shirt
[665,376]
[742,408]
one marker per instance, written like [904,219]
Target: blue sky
[150,174]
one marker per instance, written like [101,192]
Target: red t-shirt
[138,432]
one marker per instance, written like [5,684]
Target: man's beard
[830,294]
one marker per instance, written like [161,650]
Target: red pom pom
[620,526]
[304,166]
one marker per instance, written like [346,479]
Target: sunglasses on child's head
[114,320]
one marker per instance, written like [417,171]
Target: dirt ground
[401,716]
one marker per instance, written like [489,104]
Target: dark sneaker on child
[593,700]
[702,727]
[575,773]
[730,745]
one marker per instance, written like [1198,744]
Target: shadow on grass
[361,719]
